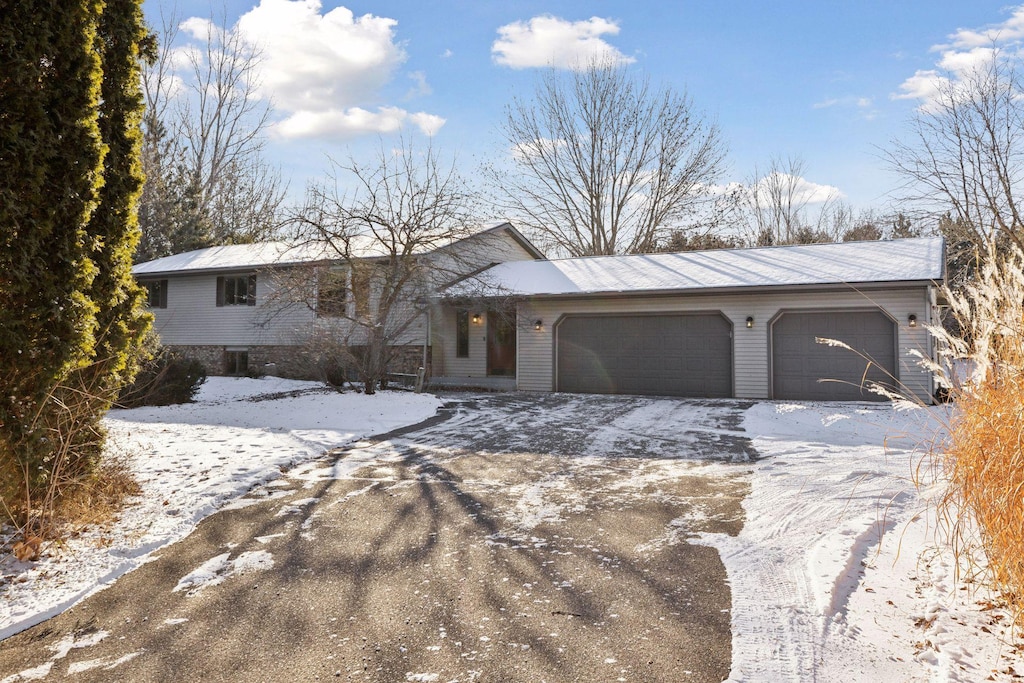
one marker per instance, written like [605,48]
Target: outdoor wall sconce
[750,321]
[476,318]
[912,320]
[538,324]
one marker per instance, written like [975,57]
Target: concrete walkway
[514,538]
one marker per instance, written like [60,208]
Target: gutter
[715,291]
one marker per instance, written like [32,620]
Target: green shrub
[166,379]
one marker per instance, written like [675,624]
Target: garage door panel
[664,355]
[799,362]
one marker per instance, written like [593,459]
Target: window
[236,290]
[156,293]
[236,362]
[462,334]
[361,275]
[331,296]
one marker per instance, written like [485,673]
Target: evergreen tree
[121,322]
[69,177]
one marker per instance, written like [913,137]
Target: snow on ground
[839,572]
[191,460]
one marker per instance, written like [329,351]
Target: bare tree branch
[387,244]
[207,180]
[603,164]
[964,155]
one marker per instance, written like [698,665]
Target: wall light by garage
[912,320]
[750,321]
[477,319]
[538,324]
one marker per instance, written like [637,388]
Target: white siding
[192,316]
[474,253]
[751,351]
[445,362]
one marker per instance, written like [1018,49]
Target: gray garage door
[659,355]
[798,362]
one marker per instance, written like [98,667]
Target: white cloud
[803,191]
[967,50]
[522,151]
[550,41]
[924,86]
[1008,31]
[966,61]
[848,102]
[355,121]
[420,86]
[429,124]
[200,29]
[325,71]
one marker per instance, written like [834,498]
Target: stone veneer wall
[289,361]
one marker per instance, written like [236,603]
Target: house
[239,308]
[743,323]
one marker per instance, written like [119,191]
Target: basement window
[236,361]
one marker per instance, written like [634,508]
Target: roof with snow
[888,261]
[230,257]
[266,254]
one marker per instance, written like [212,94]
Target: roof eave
[732,290]
[183,272]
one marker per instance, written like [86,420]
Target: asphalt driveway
[512,538]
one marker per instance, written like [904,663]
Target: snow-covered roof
[265,254]
[906,260]
[230,257]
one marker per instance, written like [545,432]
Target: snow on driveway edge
[838,573]
[191,460]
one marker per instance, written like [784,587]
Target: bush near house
[167,378]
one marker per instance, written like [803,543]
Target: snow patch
[192,460]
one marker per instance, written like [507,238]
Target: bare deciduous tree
[605,164]
[384,244]
[775,207]
[207,179]
[965,152]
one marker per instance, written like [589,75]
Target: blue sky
[829,81]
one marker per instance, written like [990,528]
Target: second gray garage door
[798,362]
[657,355]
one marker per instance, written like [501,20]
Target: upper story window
[156,293]
[236,290]
[362,274]
[331,295]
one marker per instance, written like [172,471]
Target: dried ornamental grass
[985,468]
[984,459]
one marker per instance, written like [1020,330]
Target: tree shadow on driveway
[520,538]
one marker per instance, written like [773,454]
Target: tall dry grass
[984,458]
[76,483]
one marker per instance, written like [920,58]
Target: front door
[501,344]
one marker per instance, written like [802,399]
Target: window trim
[247,299]
[159,287]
